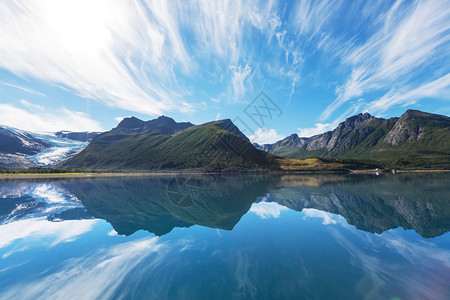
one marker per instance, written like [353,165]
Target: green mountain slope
[213,146]
[415,140]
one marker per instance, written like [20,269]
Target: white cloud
[23,89]
[317,129]
[312,16]
[46,119]
[413,37]
[265,136]
[30,105]
[119,119]
[142,56]
[218,116]
[240,80]
[122,53]
[439,88]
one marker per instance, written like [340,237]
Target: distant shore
[80,175]
[105,175]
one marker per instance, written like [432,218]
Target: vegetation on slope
[212,146]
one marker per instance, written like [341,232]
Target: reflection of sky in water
[273,252]
[37,200]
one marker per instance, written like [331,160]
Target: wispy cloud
[439,88]
[140,55]
[23,89]
[122,53]
[154,57]
[240,79]
[412,37]
[36,118]
[312,16]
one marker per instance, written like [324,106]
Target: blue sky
[84,65]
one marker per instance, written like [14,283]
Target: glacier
[60,148]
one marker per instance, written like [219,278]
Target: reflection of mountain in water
[376,204]
[158,204]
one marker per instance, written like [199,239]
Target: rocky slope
[416,138]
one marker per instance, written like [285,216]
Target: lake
[326,236]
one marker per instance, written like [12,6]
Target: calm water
[225,237]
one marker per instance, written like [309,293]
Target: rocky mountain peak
[412,126]
[130,123]
[359,119]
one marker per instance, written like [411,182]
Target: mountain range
[415,140]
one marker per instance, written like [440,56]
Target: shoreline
[106,175]
[82,175]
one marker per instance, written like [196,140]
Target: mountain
[415,140]
[77,136]
[163,143]
[162,125]
[24,149]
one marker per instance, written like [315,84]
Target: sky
[273,67]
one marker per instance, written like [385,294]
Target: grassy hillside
[212,146]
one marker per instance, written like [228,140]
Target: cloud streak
[411,39]
[119,54]
[154,57]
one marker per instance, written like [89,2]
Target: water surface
[222,237]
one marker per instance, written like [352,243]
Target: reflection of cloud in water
[101,275]
[42,231]
[47,199]
[428,278]
[154,267]
[245,275]
[327,218]
[266,210]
